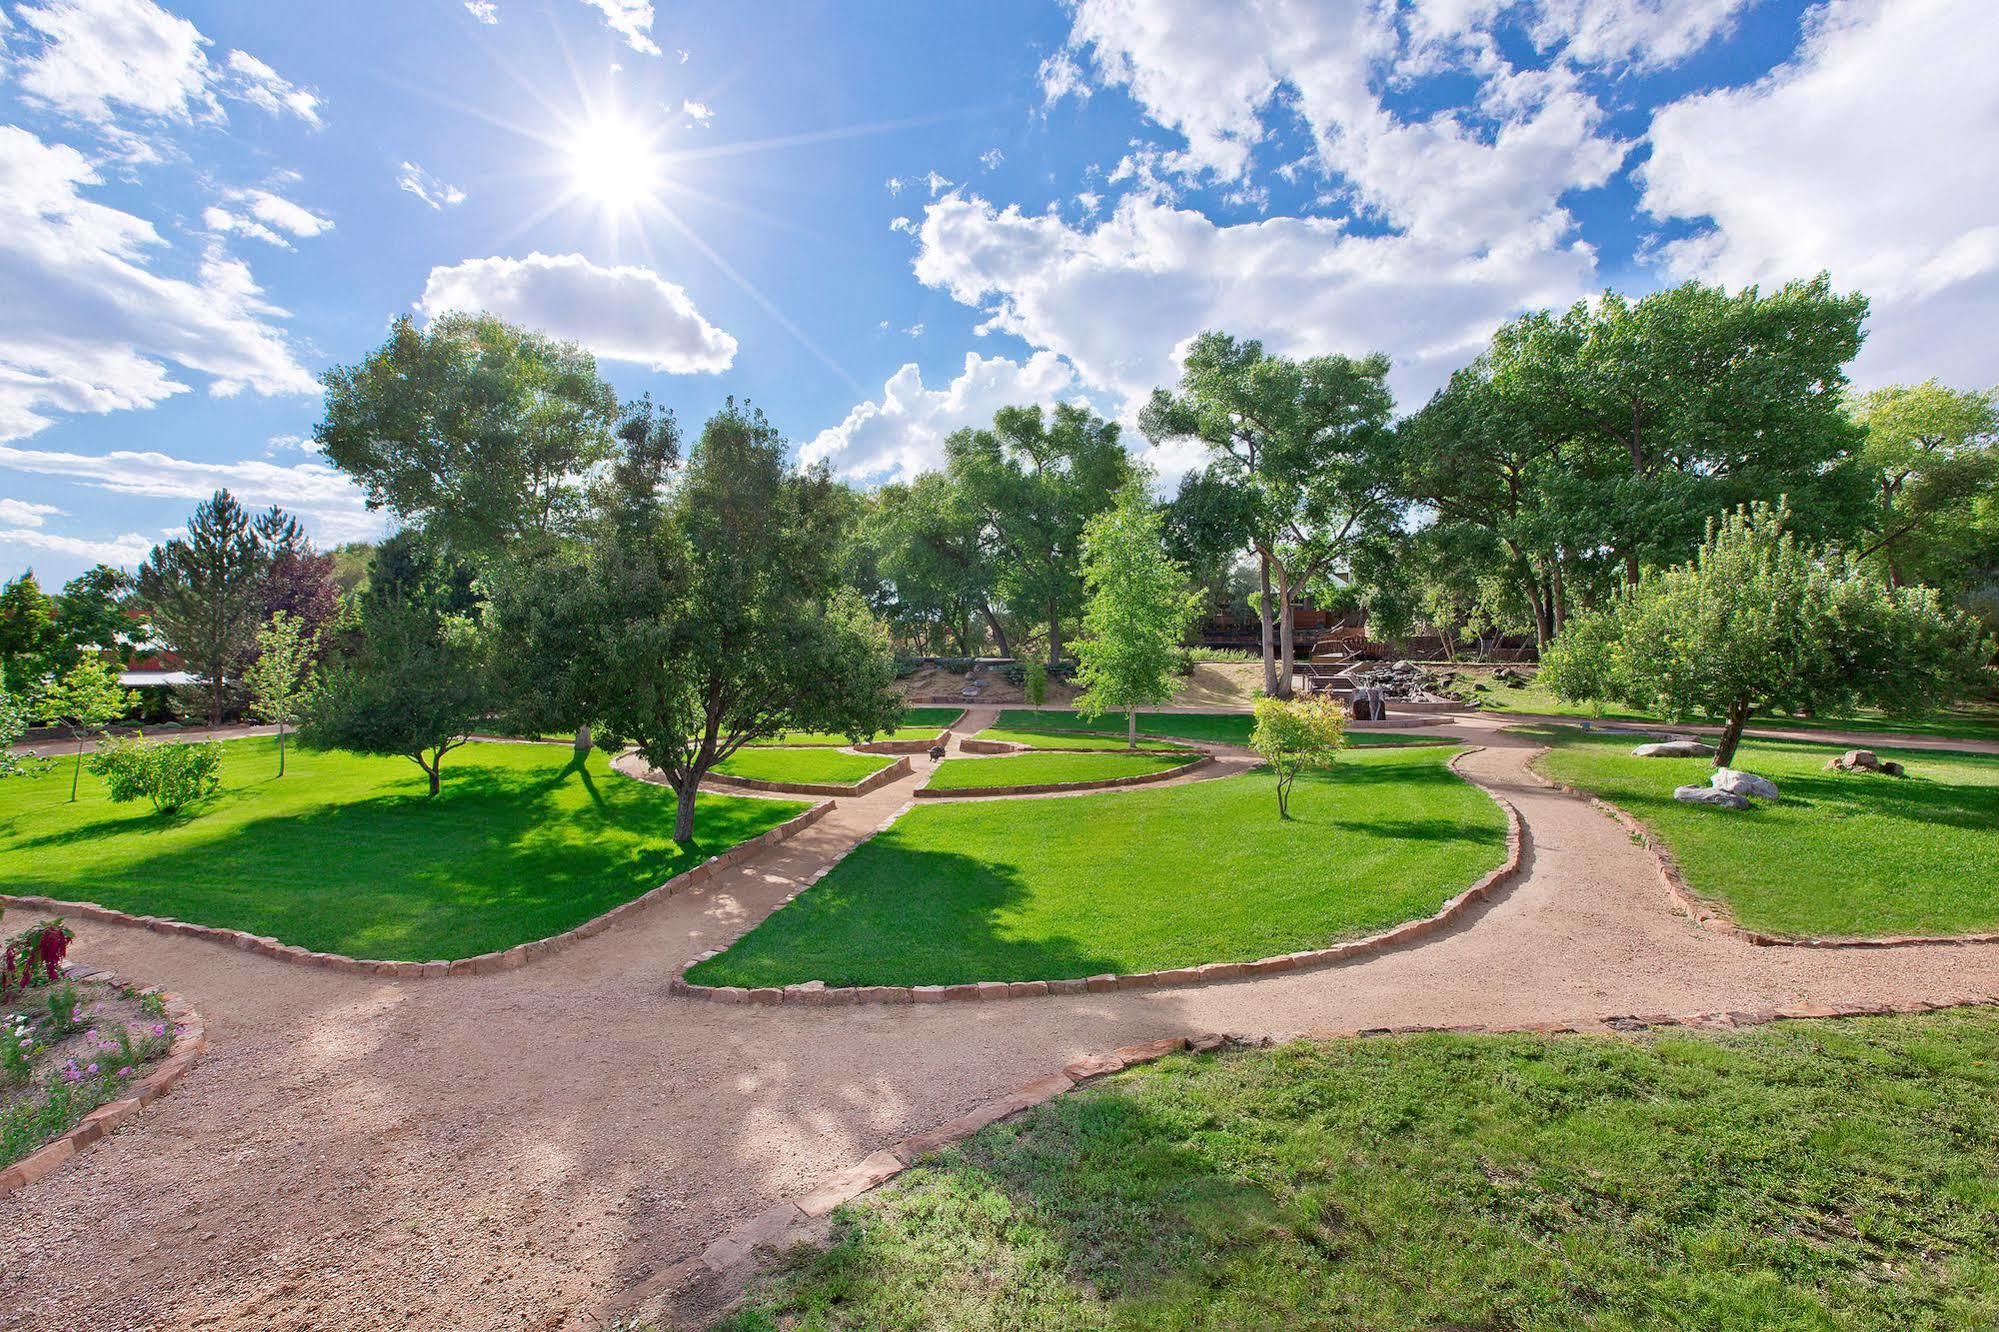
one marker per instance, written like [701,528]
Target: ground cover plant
[66,1049]
[347,854]
[917,724]
[828,767]
[1839,854]
[1041,768]
[1796,1176]
[1130,880]
[1218,728]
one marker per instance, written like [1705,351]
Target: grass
[917,724]
[1801,1176]
[1073,740]
[1222,728]
[346,854]
[1037,769]
[831,767]
[1840,854]
[1130,881]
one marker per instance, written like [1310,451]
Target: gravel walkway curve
[513,1151]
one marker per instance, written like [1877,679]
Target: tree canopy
[1139,608]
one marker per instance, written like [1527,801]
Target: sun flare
[615,162]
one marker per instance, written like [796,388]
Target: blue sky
[881,222]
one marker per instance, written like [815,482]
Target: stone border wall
[1058,788]
[874,781]
[943,738]
[483,964]
[819,995]
[732,1259]
[190,1040]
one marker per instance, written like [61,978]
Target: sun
[615,162]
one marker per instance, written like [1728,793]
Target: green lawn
[1131,881]
[346,854]
[1040,738]
[917,724]
[1222,728]
[1841,854]
[831,767]
[1800,1177]
[1037,769]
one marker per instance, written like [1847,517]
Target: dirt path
[511,1151]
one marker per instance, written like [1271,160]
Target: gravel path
[512,1151]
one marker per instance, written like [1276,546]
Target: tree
[28,635]
[700,616]
[475,430]
[1296,736]
[84,700]
[298,578]
[281,680]
[1139,608]
[1758,621]
[932,569]
[90,615]
[413,690]
[1932,454]
[1307,447]
[202,594]
[13,725]
[1034,480]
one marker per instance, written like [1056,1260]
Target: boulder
[1708,795]
[1863,760]
[1674,749]
[1743,784]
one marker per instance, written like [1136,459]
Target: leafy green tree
[1296,736]
[1307,447]
[1759,622]
[414,689]
[90,614]
[475,430]
[29,638]
[13,725]
[281,680]
[172,776]
[933,571]
[1932,454]
[1139,608]
[705,611]
[1034,480]
[202,594]
[83,700]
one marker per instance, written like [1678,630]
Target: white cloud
[631,20]
[333,505]
[936,183]
[486,11]
[697,112]
[904,433]
[98,56]
[1060,76]
[122,551]
[20,513]
[914,330]
[437,193]
[894,184]
[92,324]
[1121,298]
[1873,153]
[991,158]
[265,216]
[622,313]
[1648,34]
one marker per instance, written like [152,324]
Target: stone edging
[1057,788]
[874,781]
[482,964]
[819,995]
[190,1039]
[783,1224]
[1713,915]
[943,738]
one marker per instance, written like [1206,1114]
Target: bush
[34,956]
[1297,735]
[172,776]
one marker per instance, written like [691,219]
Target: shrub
[34,956]
[1297,735]
[172,776]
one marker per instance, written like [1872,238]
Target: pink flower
[91,1069]
[159,1029]
[125,1072]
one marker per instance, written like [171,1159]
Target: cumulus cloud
[1647,34]
[93,323]
[436,193]
[123,551]
[20,513]
[266,216]
[1873,153]
[904,433]
[631,20]
[621,313]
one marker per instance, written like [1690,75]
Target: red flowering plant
[34,956]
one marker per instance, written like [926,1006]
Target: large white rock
[1743,784]
[1707,795]
[1673,749]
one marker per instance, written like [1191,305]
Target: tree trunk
[76,775]
[281,746]
[1269,634]
[1284,798]
[583,740]
[999,632]
[433,769]
[1054,635]
[215,698]
[683,810]
[1131,728]
[1288,650]
[1731,733]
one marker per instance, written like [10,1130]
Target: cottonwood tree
[1932,455]
[1139,608]
[704,611]
[1034,480]
[1758,621]
[932,568]
[90,615]
[202,594]
[83,700]
[281,681]
[1297,736]
[1307,447]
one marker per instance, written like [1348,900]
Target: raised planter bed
[872,782]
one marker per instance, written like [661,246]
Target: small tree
[172,776]
[1297,735]
[1757,622]
[83,700]
[281,681]
[13,725]
[1139,608]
